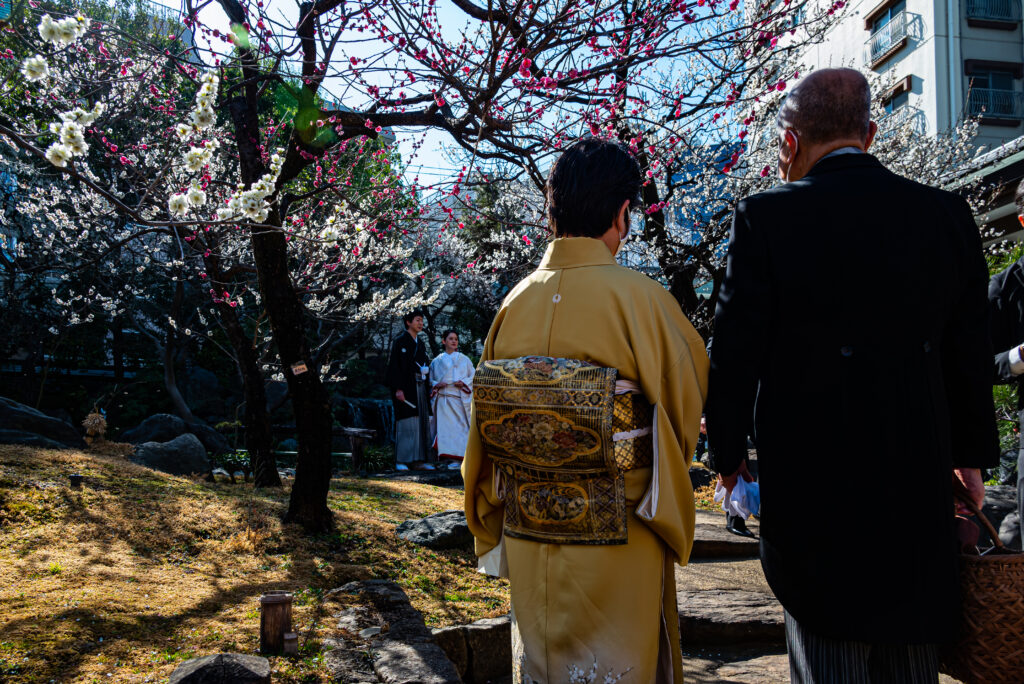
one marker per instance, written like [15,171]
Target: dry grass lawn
[138,571]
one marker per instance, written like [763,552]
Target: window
[993,80]
[896,102]
[888,15]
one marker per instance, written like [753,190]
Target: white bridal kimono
[452,405]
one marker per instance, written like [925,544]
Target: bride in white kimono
[451,382]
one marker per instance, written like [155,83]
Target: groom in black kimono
[408,387]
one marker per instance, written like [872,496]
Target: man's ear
[622,220]
[872,130]
[790,147]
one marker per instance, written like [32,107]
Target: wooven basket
[991,645]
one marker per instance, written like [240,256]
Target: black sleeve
[967,357]
[742,321]
[1001,326]
[394,374]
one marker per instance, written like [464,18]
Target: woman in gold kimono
[613,606]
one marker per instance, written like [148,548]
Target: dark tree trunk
[308,503]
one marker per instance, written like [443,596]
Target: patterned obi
[561,438]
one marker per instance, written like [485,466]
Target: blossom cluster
[71,133]
[252,203]
[63,32]
[202,116]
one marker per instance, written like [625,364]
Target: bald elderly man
[854,303]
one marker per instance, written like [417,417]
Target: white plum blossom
[83,117]
[35,68]
[196,196]
[196,158]
[48,29]
[63,32]
[178,204]
[58,155]
[203,118]
[183,131]
[71,132]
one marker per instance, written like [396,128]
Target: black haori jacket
[852,327]
[407,355]
[1006,323]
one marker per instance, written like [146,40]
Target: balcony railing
[886,39]
[993,10]
[904,118]
[995,104]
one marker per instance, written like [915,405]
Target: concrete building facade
[942,61]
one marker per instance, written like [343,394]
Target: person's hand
[971,480]
[460,384]
[729,481]
[400,395]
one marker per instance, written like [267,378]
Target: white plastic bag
[744,501]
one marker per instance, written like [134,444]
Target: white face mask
[622,239]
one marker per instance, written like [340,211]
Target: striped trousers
[814,659]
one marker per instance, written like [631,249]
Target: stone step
[728,617]
[757,665]
[727,602]
[712,540]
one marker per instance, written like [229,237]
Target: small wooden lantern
[291,644]
[275,620]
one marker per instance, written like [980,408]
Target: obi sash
[561,438]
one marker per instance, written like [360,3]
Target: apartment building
[942,60]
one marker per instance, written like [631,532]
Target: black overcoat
[851,325]
[1006,323]
[407,355]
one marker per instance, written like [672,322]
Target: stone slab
[702,575]
[712,540]
[729,617]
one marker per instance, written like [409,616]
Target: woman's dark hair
[447,333]
[411,315]
[588,184]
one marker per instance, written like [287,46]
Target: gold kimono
[614,605]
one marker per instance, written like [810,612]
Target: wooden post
[358,467]
[275,620]
[291,644]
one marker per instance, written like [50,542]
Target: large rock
[183,455]
[481,651]
[29,439]
[223,668]
[447,530]
[1000,502]
[161,427]
[19,418]
[214,442]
